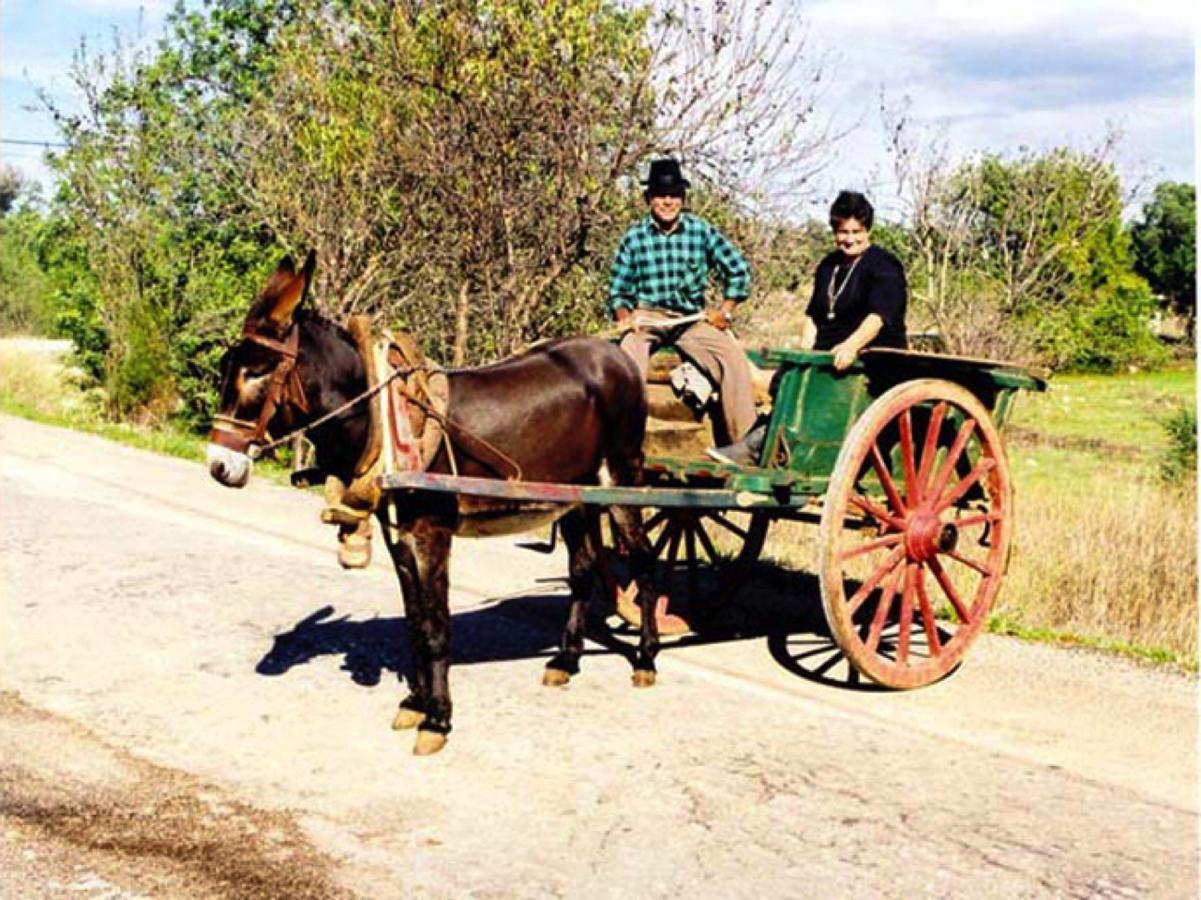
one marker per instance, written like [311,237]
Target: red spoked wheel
[915,533]
[702,558]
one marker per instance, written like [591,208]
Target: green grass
[1006,625]
[1121,411]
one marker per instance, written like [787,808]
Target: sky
[982,76]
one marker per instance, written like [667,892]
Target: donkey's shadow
[780,605]
[373,646]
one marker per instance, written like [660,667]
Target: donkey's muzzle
[227,466]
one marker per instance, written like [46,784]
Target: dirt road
[196,704]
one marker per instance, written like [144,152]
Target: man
[658,279]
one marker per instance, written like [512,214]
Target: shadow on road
[779,605]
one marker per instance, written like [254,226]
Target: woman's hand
[847,352]
[845,355]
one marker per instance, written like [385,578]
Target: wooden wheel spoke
[956,451]
[877,512]
[930,447]
[886,482]
[654,521]
[728,525]
[985,465]
[707,544]
[912,491]
[690,544]
[883,608]
[887,541]
[673,550]
[978,519]
[971,563]
[944,581]
[905,623]
[690,553]
[927,610]
[664,536]
[873,582]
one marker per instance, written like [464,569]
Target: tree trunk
[458,356]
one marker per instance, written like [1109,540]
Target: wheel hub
[926,536]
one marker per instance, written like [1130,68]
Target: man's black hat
[665,178]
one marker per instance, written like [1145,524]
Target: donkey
[569,411]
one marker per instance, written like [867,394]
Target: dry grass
[1116,565]
[35,377]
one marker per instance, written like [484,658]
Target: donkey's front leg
[422,557]
[431,548]
[412,708]
[630,532]
[579,530]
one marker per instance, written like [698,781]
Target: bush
[1178,467]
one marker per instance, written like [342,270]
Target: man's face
[666,208]
[851,237]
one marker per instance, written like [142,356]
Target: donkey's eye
[256,371]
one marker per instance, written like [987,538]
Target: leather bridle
[284,389]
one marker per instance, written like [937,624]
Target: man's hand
[720,318]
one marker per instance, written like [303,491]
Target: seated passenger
[657,286]
[858,301]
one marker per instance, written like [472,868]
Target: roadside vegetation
[464,170]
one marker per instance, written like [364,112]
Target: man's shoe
[744,452]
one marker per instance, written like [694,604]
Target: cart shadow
[782,606]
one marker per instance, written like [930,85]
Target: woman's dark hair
[851,205]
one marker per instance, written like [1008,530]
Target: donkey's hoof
[407,718]
[555,678]
[428,743]
[643,678]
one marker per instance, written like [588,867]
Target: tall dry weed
[35,376]
[1118,565]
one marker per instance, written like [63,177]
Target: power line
[46,144]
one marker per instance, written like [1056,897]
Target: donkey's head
[260,386]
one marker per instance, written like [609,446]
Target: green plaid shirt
[670,271]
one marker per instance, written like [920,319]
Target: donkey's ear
[293,289]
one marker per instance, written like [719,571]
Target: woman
[859,298]
[859,290]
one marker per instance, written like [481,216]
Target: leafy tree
[1165,246]
[12,183]
[1023,257]
[463,167]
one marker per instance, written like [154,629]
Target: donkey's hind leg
[580,533]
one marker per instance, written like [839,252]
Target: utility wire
[22,143]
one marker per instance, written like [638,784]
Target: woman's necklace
[833,295]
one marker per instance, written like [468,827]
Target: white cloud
[996,76]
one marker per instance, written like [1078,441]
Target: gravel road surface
[195,701]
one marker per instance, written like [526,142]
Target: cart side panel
[814,409]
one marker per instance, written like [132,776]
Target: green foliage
[1108,333]
[25,298]
[1178,466]
[1165,245]
[1026,258]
